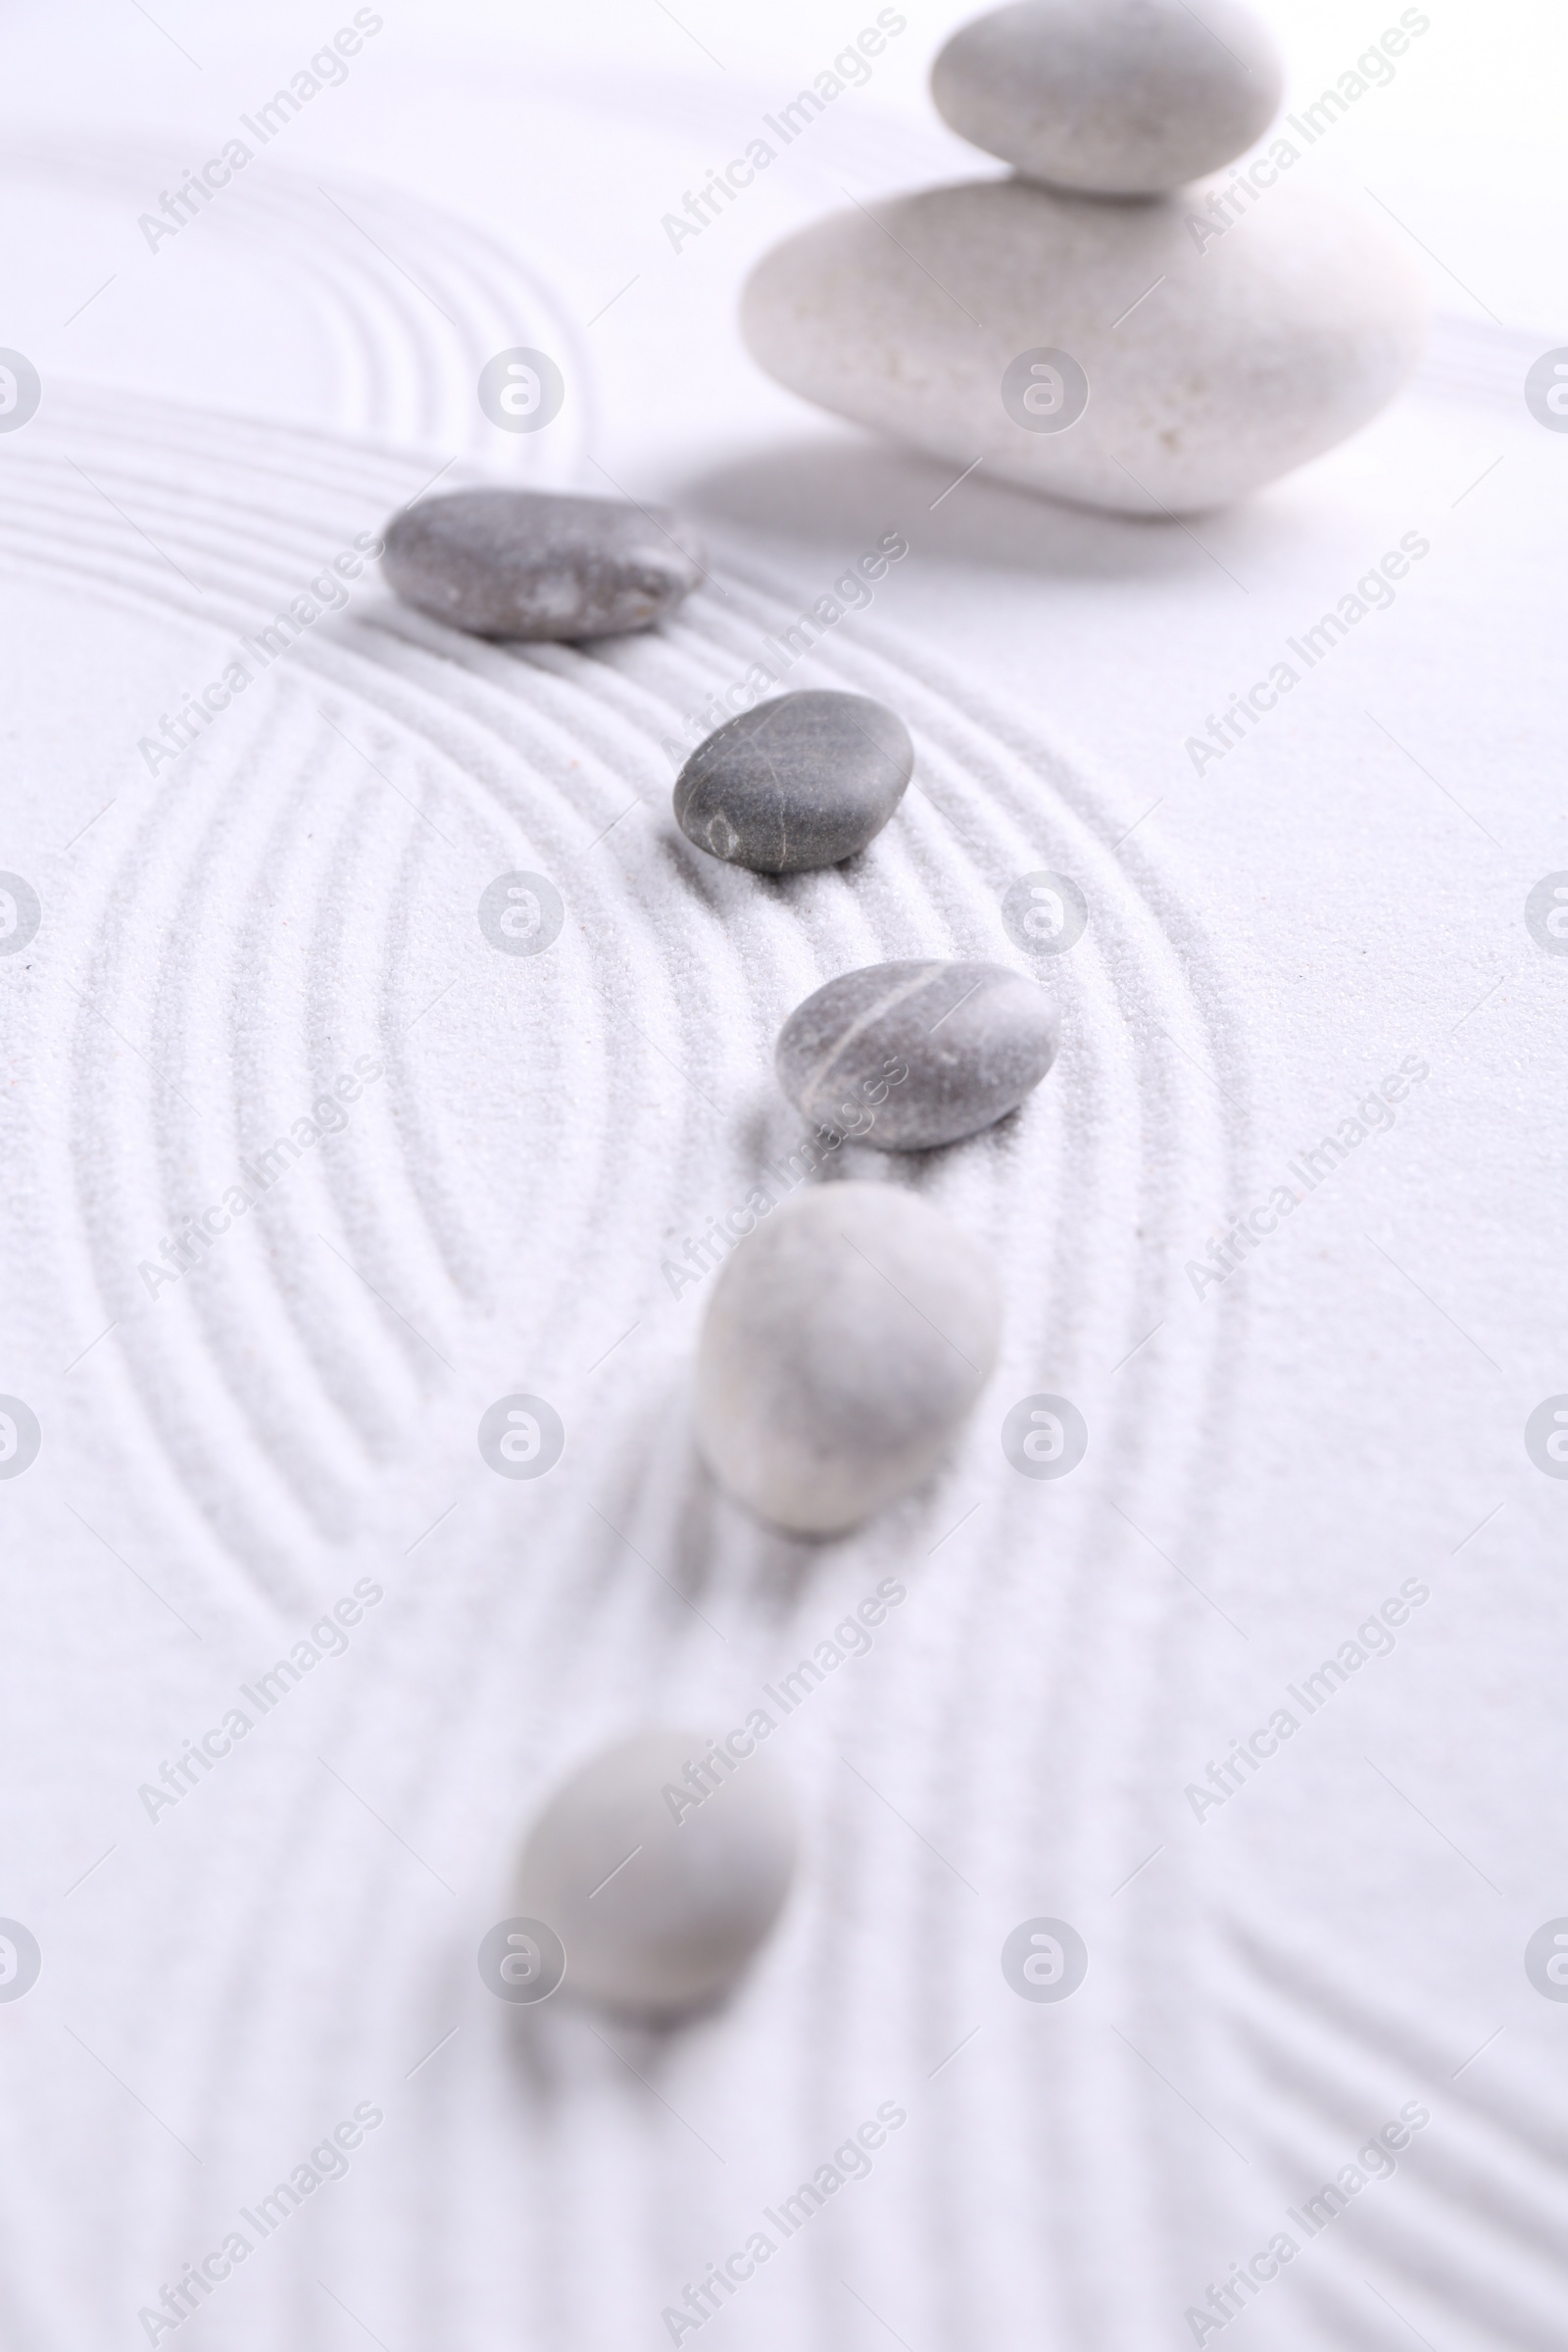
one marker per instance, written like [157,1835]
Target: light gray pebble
[1112,97]
[661,1880]
[845,1342]
[535,565]
[907,1056]
[805,780]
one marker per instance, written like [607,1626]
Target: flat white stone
[1116,97]
[660,1884]
[1215,359]
[845,1342]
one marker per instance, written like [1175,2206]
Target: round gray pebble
[845,1342]
[536,566]
[661,1865]
[907,1056]
[1112,97]
[805,780]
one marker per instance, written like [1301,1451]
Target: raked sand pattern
[534,1143]
[338,302]
[299,1408]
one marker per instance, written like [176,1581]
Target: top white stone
[1112,97]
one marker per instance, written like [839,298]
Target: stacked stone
[1099,326]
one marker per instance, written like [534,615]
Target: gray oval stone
[660,1865]
[537,566]
[1113,97]
[845,1342]
[802,781]
[907,1056]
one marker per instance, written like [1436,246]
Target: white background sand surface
[229,933]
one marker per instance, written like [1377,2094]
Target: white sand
[221,1462]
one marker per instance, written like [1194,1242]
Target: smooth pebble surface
[1209,371]
[845,1342]
[536,564]
[805,780]
[659,1903]
[907,1056]
[1114,97]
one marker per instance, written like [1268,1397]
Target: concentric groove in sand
[1016,1672]
[472,718]
[506,2206]
[406,303]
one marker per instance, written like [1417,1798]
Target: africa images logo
[21,1960]
[1045,1960]
[1546,1960]
[1547,391]
[521,390]
[1045,390]
[521,1436]
[1547,1437]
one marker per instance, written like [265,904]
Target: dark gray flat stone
[970,1041]
[805,780]
[538,565]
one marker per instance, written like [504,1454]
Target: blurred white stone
[846,1339]
[660,1865]
[1141,355]
[1116,97]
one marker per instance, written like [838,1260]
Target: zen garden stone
[804,780]
[536,566]
[1114,357]
[909,1055]
[846,1340]
[660,1865]
[1113,97]
[1100,327]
